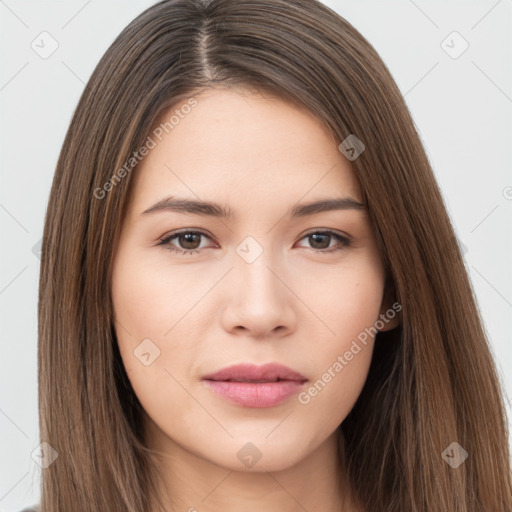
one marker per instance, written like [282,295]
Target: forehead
[243,149]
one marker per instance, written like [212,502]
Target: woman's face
[262,285]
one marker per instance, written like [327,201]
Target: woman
[251,294]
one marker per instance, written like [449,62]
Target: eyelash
[165,241]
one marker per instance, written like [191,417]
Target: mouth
[248,385]
[250,380]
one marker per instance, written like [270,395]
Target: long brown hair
[432,380]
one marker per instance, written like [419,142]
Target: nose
[259,300]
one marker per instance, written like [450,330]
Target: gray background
[461,104]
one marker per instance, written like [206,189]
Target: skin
[259,155]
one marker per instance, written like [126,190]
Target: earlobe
[389,315]
[389,318]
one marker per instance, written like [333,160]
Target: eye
[321,241]
[190,241]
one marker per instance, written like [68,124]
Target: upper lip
[247,372]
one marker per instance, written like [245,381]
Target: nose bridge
[256,268]
[259,300]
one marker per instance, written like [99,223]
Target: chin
[258,455]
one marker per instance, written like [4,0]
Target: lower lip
[255,394]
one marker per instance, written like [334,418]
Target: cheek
[145,310]
[138,297]
[153,308]
[154,297]
[142,318]
[151,303]
[348,304]
[346,299]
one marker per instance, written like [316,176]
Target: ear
[389,315]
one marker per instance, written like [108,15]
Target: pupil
[189,239]
[314,237]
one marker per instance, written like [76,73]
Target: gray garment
[31,509]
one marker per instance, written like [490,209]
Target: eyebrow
[173,204]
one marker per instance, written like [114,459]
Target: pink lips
[255,386]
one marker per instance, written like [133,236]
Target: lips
[271,372]
[248,385]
